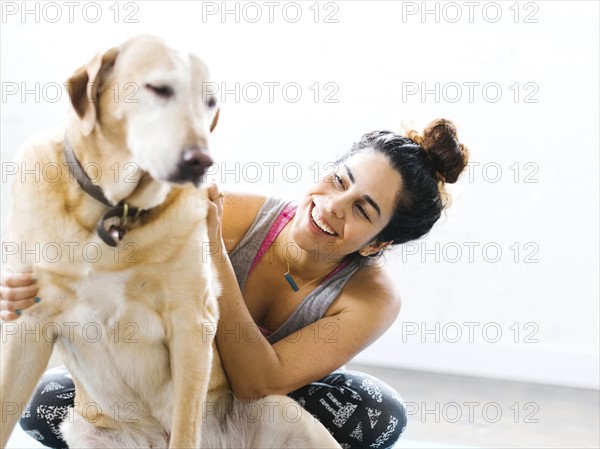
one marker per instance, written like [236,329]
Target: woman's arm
[367,306]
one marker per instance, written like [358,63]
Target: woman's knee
[363,411]
[48,407]
[396,410]
[380,400]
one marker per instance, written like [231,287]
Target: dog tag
[116,232]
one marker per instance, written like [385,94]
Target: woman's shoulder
[239,211]
[372,290]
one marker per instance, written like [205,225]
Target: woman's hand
[17,292]
[215,214]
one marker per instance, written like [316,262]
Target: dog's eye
[161,91]
[212,102]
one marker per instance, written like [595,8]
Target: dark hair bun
[448,155]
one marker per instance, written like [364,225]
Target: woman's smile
[318,224]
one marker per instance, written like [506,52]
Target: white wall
[372,56]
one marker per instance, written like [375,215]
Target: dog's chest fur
[124,340]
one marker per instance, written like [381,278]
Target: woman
[301,292]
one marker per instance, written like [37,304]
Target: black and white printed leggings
[359,410]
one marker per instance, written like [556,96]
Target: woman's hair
[426,163]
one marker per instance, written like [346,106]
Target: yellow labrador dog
[113,228]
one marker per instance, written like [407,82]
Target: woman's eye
[363,212]
[161,90]
[338,180]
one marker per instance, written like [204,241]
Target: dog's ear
[213,125]
[84,87]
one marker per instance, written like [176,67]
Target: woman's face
[345,211]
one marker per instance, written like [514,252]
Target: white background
[543,203]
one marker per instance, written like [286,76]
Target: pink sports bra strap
[284,218]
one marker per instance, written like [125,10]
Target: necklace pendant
[288,277]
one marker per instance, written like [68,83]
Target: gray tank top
[316,303]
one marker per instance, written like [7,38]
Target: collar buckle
[123,210]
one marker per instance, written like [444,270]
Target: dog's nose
[192,166]
[197,158]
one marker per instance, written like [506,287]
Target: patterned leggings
[359,410]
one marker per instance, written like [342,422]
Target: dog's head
[149,99]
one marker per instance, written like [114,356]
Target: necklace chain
[288,276]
